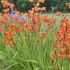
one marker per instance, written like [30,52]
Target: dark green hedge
[25,5]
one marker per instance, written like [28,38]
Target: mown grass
[30,55]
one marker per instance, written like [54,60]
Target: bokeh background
[25,5]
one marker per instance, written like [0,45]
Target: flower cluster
[62,40]
[35,23]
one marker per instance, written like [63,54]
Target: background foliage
[25,5]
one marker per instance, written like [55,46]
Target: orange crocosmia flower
[1,28]
[4,6]
[31,0]
[61,33]
[52,20]
[41,1]
[57,44]
[33,9]
[7,33]
[35,28]
[45,19]
[65,20]
[38,9]
[13,31]
[68,28]
[3,1]
[37,15]
[6,41]
[30,28]
[61,38]
[64,24]
[9,37]
[58,13]
[48,25]
[20,28]
[52,55]
[12,24]
[59,55]
[68,55]
[1,14]
[14,18]
[43,35]
[31,12]
[6,18]
[8,4]
[67,43]
[11,5]
[36,21]
[62,28]
[63,50]
[67,37]
[26,25]
[2,20]
[5,10]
